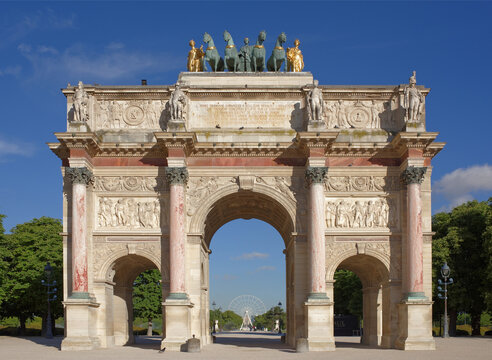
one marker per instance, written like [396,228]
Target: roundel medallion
[359,118]
[134,115]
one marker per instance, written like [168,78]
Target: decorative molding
[79,175]
[177,175]
[413,175]
[361,183]
[316,175]
[130,183]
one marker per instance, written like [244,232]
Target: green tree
[348,293]
[267,320]
[29,247]
[461,241]
[4,261]
[230,320]
[147,297]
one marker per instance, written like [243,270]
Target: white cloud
[13,147]
[251,256]
[265,268]
[459,185]
[11,70]
[79,62]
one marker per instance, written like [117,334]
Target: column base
[81,316]
[415,325]
[318,313]
[178,323]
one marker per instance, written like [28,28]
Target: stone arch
[271,198]
[382,258]
[107,267]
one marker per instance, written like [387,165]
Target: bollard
[302,345]
[193,345]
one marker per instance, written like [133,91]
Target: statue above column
[81,104]
[413,100]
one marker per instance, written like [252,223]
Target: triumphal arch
[150,173]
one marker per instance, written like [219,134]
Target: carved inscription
[130,213]
[361,183]
[130,183]
[250,114]
[344,114]
[361,213]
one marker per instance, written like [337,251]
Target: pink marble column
[413,177]
[80,178]
[177,179]
[316,231]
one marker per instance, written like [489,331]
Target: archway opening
[251,232]
[132,273]
[362,281]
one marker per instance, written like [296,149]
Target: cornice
[417,140]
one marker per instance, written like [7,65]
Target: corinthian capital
[79,175]
[413,175]
[316,175]
[176,175]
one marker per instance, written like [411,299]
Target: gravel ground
[239,346]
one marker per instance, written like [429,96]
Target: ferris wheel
[247,306]
[253,305]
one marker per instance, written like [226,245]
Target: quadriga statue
[231,57]
[212,55]
[278,54]
[258,56]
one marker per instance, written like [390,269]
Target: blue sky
[45,45]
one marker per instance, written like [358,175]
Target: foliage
[26,250]
[228,320]
[147,295]
[348,293]
[4,256]
[462,239]
[267,320]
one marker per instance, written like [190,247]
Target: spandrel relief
[130,183]
[199,188]
[361,213]
[116,213]
[366,114]
[361,183]
[117,114]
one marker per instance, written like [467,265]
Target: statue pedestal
[414,126]
[78,126]
[319,324]
[80,325]
[178,321]
[176,125]
[415,325]
[316,125]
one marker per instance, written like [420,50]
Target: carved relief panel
[361,213]
[130,183]
[121,213]
[366,114]
[120,114]
[199,188]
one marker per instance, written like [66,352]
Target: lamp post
[48,270]
[445,272]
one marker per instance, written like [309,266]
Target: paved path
[235,346]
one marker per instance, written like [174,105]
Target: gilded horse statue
[278,54]
[231,56]
[258,55]
[212,55]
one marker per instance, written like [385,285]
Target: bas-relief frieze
[118,213]
[119,114]
[361,183]
[372,114]
[130,183]
[361,213]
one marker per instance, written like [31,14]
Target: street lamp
[48,270]
[445,272]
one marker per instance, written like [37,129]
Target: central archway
[264,204]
